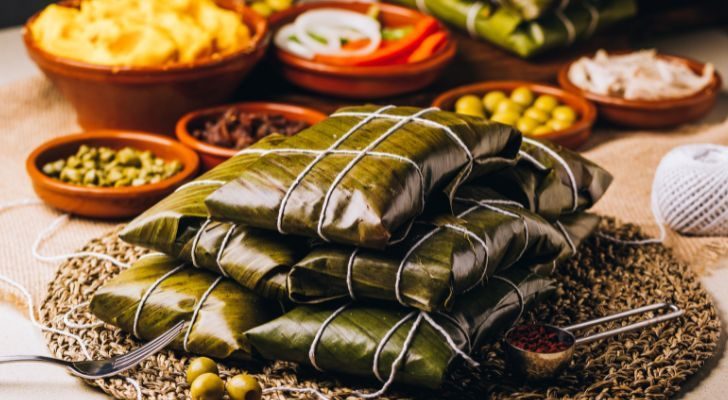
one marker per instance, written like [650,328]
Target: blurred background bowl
[211,155]
[108,202]
[150,98]
[571,137]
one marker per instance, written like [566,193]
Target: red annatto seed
[537,338]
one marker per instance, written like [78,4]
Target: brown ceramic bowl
[212,155]
[652,114]
[149,98]
[108,203]
[370,82]
[571,137]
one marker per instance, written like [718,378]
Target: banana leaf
[255,258]
[172,292]
[361,176]
[533,9]
[353,336]
[507,28]
[548,179]
[440,259]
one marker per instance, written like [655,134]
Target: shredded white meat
[640,75]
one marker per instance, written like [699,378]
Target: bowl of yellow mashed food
[141,64]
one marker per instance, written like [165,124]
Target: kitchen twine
[472,18]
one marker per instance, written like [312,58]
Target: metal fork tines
[95,369]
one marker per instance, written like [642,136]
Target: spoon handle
[674,313]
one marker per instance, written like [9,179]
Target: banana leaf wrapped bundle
[533,9]
[396,344]
[441,258]
[179,226]
[361,176]
[548,179]
[157,292]
[507,28]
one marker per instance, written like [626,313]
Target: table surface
[19,336]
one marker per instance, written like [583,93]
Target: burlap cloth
[32,111]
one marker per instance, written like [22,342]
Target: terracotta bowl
[361,82]
[212,155]
[108,203]
[652,114]
[149,98]
[571,137]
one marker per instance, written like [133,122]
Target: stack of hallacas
[384,242]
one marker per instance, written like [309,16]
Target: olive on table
[492,99]
[469,105]
[199,366]
[522,95]
[546,102]
[243,387]
[207,386]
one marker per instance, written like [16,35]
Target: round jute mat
[604,278]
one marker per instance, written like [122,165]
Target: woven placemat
[603,279]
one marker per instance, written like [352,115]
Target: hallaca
[361,176]
[507,28]
[179,226]
[157,292]
[549,180]
[394,344]
[441,258]
[533,9]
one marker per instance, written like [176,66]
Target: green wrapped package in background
[178,226]
[361,176]
[352,337]
[507,28]
[157,292]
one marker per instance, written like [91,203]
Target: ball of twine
[690,191]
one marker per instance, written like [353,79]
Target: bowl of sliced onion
[644,89]
[360,49]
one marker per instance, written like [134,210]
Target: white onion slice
[283,41]
[334,24]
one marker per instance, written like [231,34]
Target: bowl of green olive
[537,110]
[109,174]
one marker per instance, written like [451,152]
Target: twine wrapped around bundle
[690,190]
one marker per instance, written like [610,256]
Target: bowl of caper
[109,174]
[537,110]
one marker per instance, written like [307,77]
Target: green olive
[469,105]
[243,387]
[505,117]
[541,130]
[522,95]
[207,386]
[546,102]
[558,125]
[564,113]
[508,105]
[536,114]
[526,125]
[491,100]
[279,5]
[262,8]
[199,366]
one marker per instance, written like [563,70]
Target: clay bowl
[149,98]
[651,114]
[212,155]
[360,82]
[571,137]
[107,203]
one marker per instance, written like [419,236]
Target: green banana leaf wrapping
[533,9]
[350,336]
[157,292]
[440,259]
[257,259]
[507,28]
[361,176]
[549,180]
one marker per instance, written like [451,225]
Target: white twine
[472,18]
[319,333]
[383,342]
[525,155]
[146,295]
[526,232]
[521,298]
[422,6]
[73,325]
[312,164]
[350,272]
[564,164]
[564,232]
[473,235]
[593,18]
[196,241]
[568,25]
[223,245]
[185,341]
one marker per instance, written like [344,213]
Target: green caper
[199,366]
[207,386]
[243,387]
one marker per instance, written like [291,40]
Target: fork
[95,369]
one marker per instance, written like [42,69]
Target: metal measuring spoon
[542,365]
